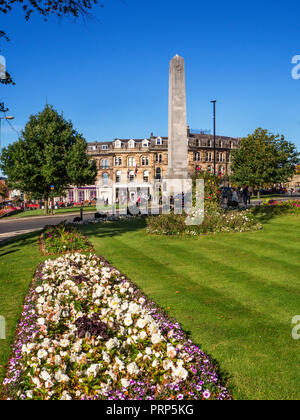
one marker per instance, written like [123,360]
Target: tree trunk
[258,194]
[46,206]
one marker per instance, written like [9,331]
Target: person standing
[235,198]
[245,194]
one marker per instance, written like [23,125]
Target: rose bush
[87,332]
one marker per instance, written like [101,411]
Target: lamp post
[214,105]
[4,118]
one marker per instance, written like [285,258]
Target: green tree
[263,159]
[49,152]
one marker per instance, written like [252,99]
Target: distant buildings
[130,166]
[295,182]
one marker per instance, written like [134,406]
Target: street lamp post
[3,118]
[214,104]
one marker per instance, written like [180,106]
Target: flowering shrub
[63,238]
[280,207]
[86,332]
[215,221]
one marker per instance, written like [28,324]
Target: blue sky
[110,75]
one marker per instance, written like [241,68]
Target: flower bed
[63,238]
[9,211]
[86,332]
[215,221]
[281,207]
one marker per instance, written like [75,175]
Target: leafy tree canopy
[49,152]
[263,159]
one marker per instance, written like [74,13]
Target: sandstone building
[130,166]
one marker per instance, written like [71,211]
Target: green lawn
[237,293]
[18,261]
[38,212]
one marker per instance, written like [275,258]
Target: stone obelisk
[178,142]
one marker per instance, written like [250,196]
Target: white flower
[37,382]
[157,338]
[114,302]
[64,343]
[29,394]
[39,289]
[167,364]
[105,357]
[57,360]
[180,373]
[65,396]
[41,321]
[45,376]
[155,363]
[171,351]
[124,307]
[125,383]
[93,370]
[132,368]
[141,323]
[128,320]
[110,344]
[133,308]
[143,335]
[42,354]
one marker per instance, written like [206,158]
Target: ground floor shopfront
[112,194]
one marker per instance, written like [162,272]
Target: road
[14,227]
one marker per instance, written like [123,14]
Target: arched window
[105,178]
[208,143]
[158,173]
[158,141]
[131,144]
[158,158]
[118,144]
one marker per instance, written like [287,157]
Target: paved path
[15,227]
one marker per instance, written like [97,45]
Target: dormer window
[158,141]
[93,148]
[118,144]
[105,147]
[145,143]
[131,144]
